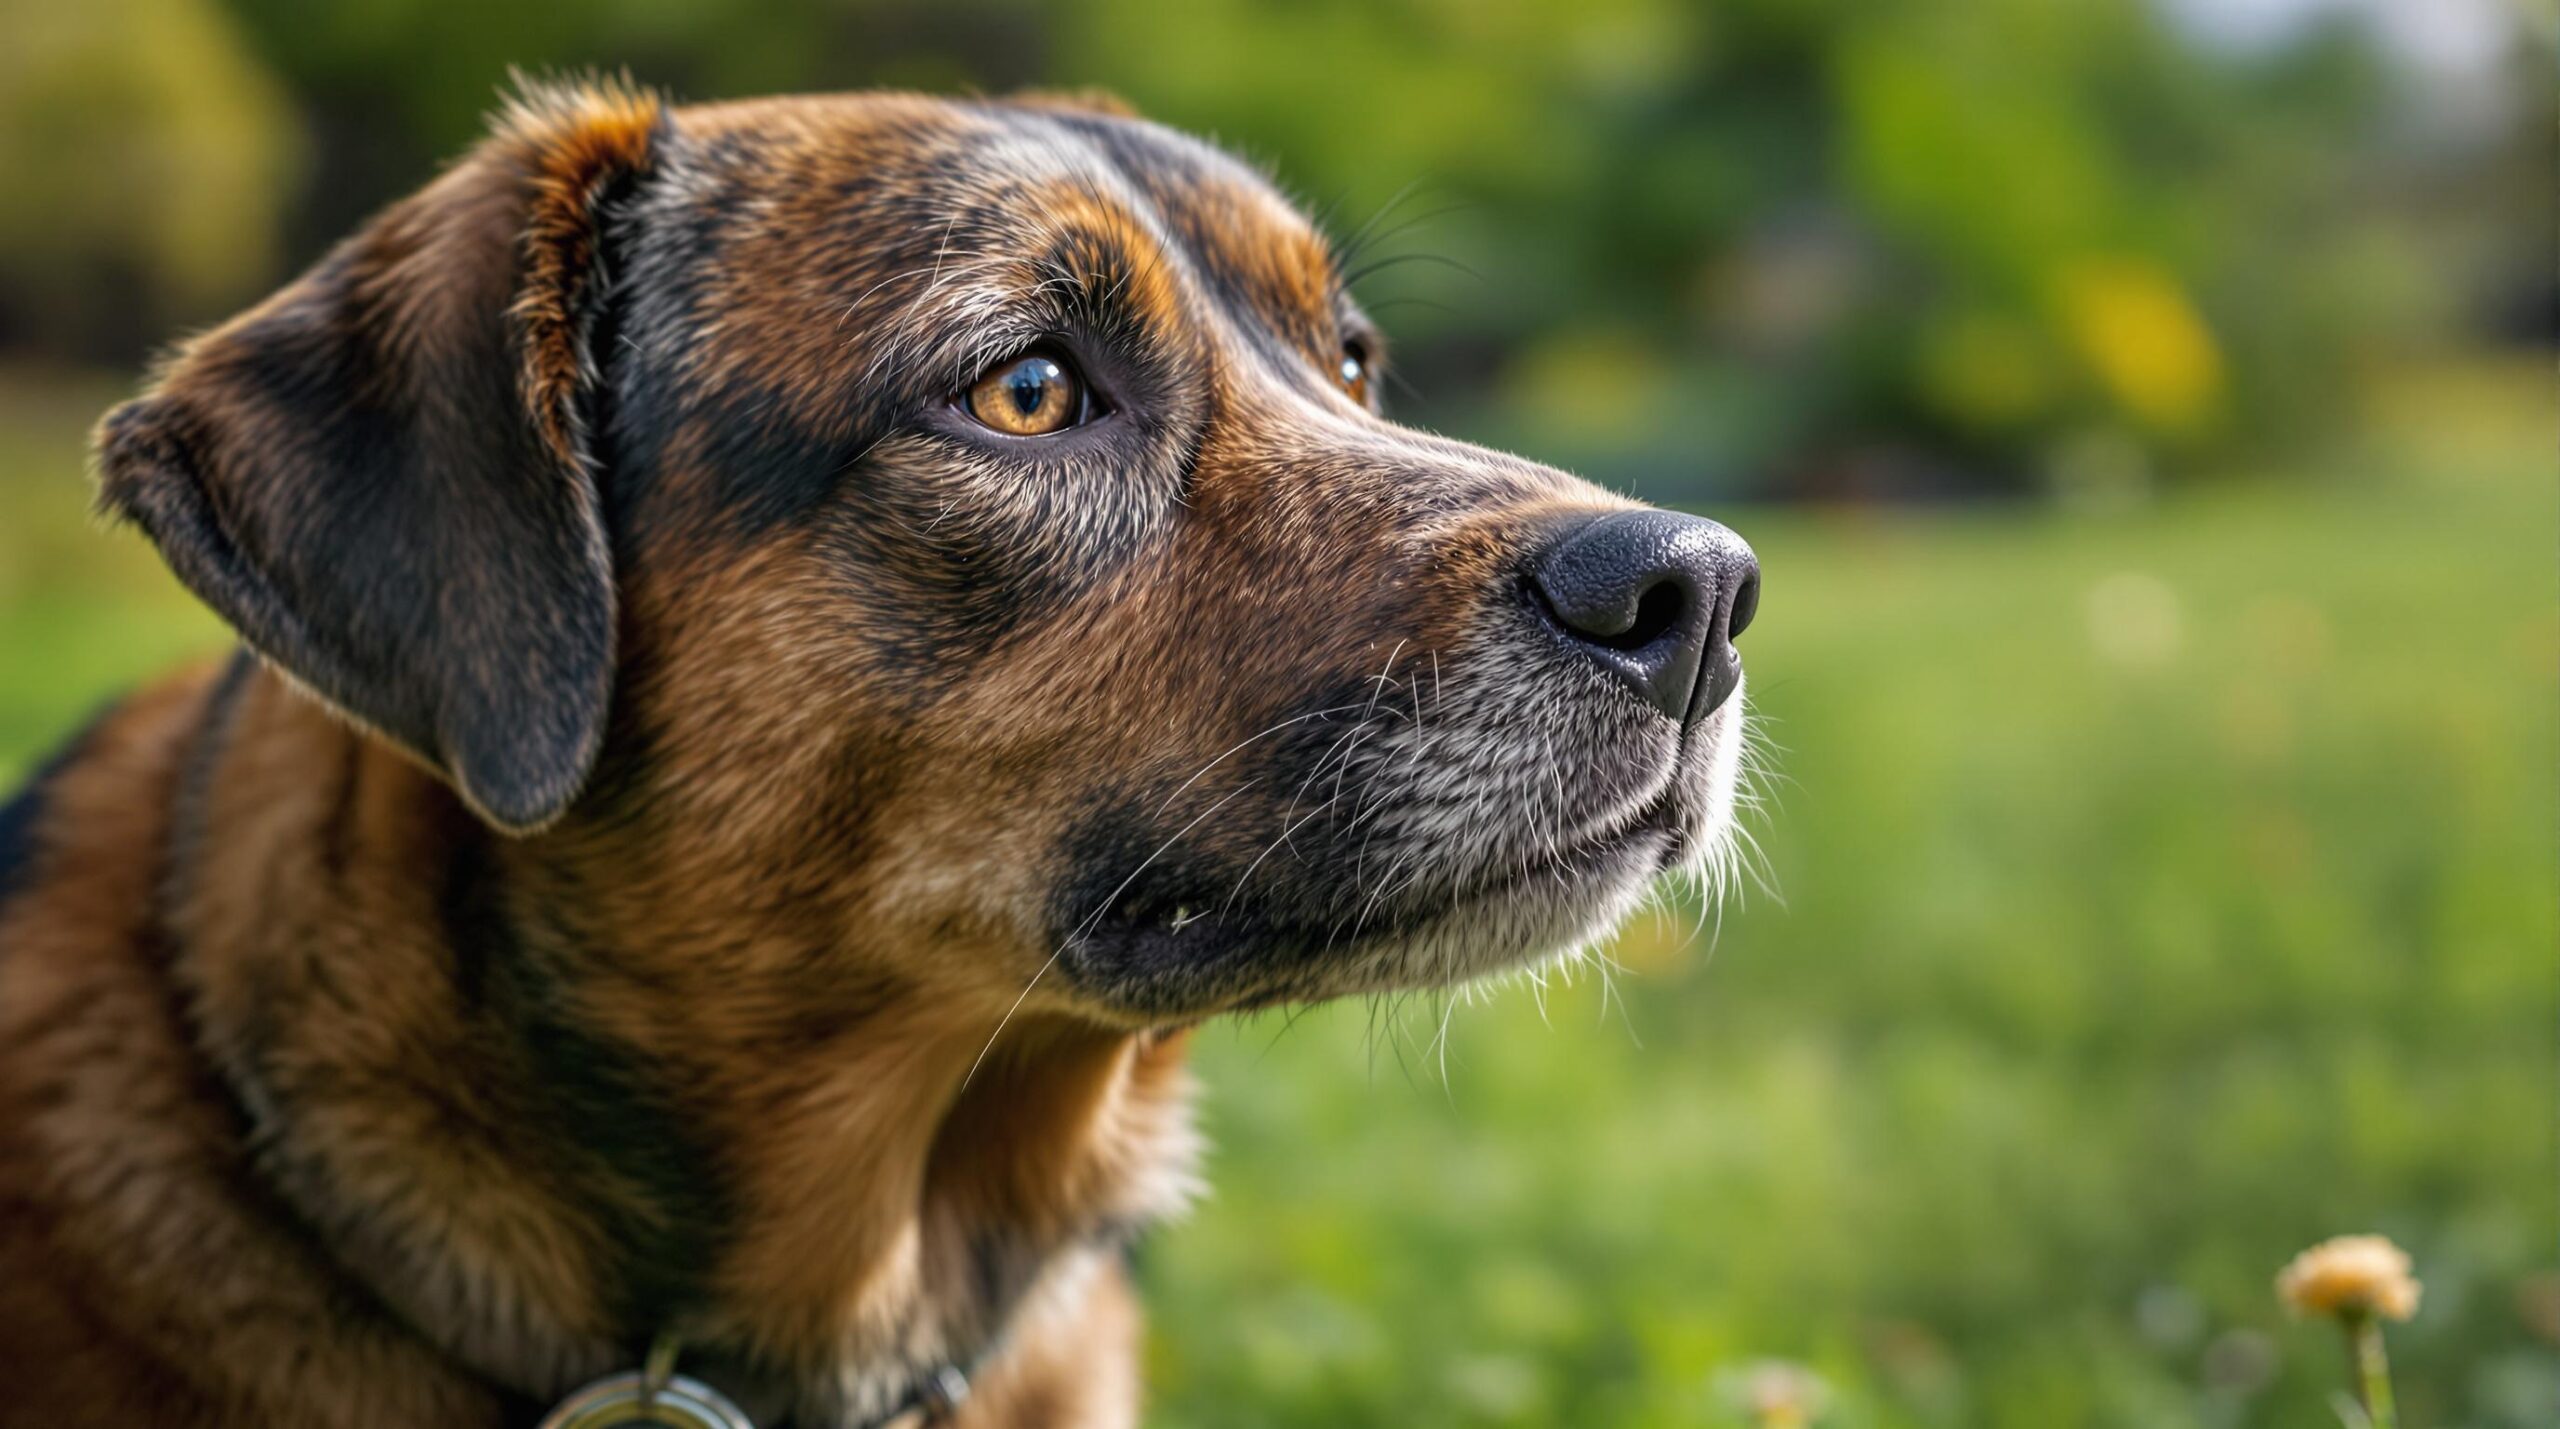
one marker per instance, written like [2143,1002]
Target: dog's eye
[1029,396]
[1353,373]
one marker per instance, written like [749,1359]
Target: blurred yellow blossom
[2350,1277]
[1778,1394]
[2149,346]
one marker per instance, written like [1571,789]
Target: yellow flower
[2149,346]
[2350,1277]
[1778,1395]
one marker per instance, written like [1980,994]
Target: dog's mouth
[1183,937]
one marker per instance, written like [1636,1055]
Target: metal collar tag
[651,1397]
[627,1401]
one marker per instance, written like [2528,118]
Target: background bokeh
[2143,411]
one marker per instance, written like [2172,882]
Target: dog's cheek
[743,715]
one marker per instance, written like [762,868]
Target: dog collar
[654,1396]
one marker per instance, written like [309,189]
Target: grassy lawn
[2162,892]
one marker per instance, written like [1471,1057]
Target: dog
[791,650]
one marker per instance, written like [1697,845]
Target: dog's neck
[545,1102]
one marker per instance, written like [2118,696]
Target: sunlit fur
[709,839]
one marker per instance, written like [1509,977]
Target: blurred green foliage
[145,159]
[1828,247]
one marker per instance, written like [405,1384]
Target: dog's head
[964,531]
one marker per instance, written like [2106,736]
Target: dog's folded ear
[382,477]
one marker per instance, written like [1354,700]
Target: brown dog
[798,645]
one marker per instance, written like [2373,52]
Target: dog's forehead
[903,177]
[1220,209]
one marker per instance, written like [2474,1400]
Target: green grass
[2162,892]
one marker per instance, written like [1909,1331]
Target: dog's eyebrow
[1069,277]
[1263,254]
[1003,318]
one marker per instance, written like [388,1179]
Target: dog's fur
[711,842]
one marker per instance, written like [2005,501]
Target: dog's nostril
[1746,604]
[1658,612]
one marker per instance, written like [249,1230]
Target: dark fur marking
[1124,882]
[204,748]
[596,1099]
[22,818]
[1128,873]
[766,469]
[181,839]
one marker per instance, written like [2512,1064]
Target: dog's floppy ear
[381,476]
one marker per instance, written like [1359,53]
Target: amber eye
[1353,373]
[1029,396]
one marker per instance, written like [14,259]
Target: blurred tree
[1809,247]
[1801,247]
[148,158]
[392,87]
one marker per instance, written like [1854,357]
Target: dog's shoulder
[24,811]
[89,1036]
[97,787]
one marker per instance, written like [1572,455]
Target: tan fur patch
[574,144]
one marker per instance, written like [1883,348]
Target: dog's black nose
[1655,597]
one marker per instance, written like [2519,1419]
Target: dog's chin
[1554,907]
[1173,962]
